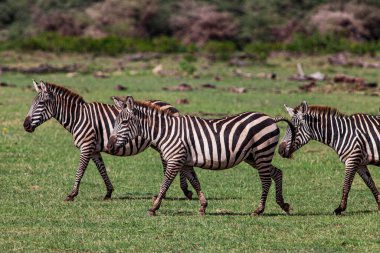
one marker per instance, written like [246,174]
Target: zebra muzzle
[28,124]
[283,151]
[111,145]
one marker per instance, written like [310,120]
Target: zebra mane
[317,109]
[60,90]
[150,105]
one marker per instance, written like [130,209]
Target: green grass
[37,171]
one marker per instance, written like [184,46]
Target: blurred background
[218,27]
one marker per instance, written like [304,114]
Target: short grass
[37,172]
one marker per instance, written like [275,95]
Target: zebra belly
[216,162]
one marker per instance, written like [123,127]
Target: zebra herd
[183,142]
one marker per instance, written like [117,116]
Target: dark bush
[61,22]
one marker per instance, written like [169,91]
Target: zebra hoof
[202,211]
[258,211]
[287,208]
[338,211]
[69,198]
[107,197]
[151,213]
[189,195]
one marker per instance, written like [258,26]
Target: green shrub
[326,44]
[221,50]
[164,44]
[261,49]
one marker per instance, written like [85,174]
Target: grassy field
[37,170]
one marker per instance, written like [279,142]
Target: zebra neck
[68,111]
[155,125]
[327,129]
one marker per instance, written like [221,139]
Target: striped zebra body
[355,138]
[90,124]
[217,144]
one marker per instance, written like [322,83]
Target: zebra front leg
[276,175]
[183,182]
[367,178]
[348,178]
[83,162]
[98,160]
[170,174]
[192,176]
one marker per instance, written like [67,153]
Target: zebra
[355,138]
[187,141]
[91,125]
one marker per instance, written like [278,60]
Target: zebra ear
[290,110]
[36,87]
[130,103]
[119,103]
[303,106]
[43,86]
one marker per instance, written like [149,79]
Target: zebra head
[42,108]
[126,124]
[302,131]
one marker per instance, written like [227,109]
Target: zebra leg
[84,159]
[183,182]
[264,170]
[266,182]
[348,178]
[184,186]
[170,174]
[98,160]
[276,175]
[192,176]
[367,178]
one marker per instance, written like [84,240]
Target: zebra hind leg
[348,178]
[183,183]
[367,178]
[192,176]
[98,160]
[276,175]
[266,181]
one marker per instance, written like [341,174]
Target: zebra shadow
[331,213]
[150,196]
[277,214]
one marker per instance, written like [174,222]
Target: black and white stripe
[355,138]
[217,144]
[90,124]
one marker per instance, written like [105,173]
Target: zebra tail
[292,128]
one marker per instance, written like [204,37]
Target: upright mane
[317,109]
[56,89]
[153,106]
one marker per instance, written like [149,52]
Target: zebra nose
[27,124]
[111,144]
[282,150]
